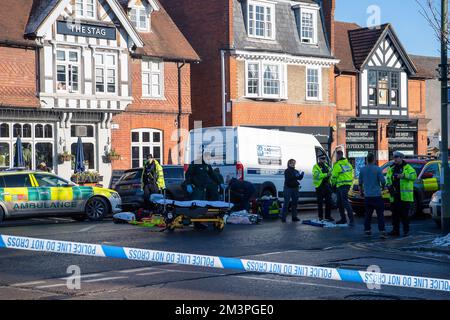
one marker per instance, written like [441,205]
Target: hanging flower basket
[112,156]
[87,178]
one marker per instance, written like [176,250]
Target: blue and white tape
[295,270]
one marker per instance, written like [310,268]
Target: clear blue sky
[414,32]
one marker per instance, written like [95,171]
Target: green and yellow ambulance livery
[31,194]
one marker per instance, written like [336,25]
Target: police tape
[295,270]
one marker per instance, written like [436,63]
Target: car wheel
[96,209]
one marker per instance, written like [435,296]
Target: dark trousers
[324,193]
[377,204]
[149,189]
[342,198]
[209,193]
[400,213]
[291,196]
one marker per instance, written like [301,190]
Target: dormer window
[139,18]
[261,19]
[85,8]
[307,23]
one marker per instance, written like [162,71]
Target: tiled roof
[363,41]
[343,49]
[426,66]
[14,16]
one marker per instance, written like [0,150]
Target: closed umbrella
[18,156]
[79,160]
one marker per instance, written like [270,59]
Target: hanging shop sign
[86,30]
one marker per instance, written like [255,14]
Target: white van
[259,156]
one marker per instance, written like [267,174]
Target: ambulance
[31,193]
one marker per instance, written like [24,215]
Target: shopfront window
[143,143]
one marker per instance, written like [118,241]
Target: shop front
[361,139]
[403,137]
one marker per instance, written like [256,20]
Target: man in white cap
[400,181]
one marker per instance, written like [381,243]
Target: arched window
[48,131]
[4,130]
[17,130]
[39,131]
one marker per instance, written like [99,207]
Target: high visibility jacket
[318,175]
[159,175]
[406,184]
[342,174]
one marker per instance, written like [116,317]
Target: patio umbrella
[18,156]
[79,160]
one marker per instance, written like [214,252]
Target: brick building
[106,70]
[264,63]
[378,88]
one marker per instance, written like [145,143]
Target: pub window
[39,131]
[143,143]
[85,8]
[89,155]
[4,130]
[105,73]
[17,130]
[67,70]
[44,154]
[152,78]
[4,155]
[26,129]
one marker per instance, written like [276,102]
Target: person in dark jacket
[291,190]
[201,182]
[241,192]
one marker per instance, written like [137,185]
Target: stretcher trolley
[180,214]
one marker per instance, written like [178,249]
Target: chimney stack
[329,7]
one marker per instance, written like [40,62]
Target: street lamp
[445,183]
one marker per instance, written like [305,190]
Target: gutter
[19,44]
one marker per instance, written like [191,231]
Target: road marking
[23,284]
[150,273]
[301,283]
[87,228]
[52,286]
[272,253]
[136,270]
[189,271]
[83,276]
[104,279]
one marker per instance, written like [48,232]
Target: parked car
[130,189]
[427,183]
[436,207]
[259,156]
[32,193]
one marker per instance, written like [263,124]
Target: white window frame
[85,10]
[282,69]
[33,140]
[150,72]
[150,144]
[319,74]
[251,29]
[68,65]
[139,11]
[314,12]
[105,67]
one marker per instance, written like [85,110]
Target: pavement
[44,276]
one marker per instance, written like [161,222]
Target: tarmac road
[34,275]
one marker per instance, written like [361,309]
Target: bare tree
[431,11]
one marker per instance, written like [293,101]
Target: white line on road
[301,283]
[83,276]
[87,228]
[136,270]
[104,279]
[23,284]
[150,273]
[52,286]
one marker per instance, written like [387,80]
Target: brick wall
[18,77]
[328,7]
[206,26]
[158,114]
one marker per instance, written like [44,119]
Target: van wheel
[96,209]
[2,215]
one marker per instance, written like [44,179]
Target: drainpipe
[180,109]
[224,112]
